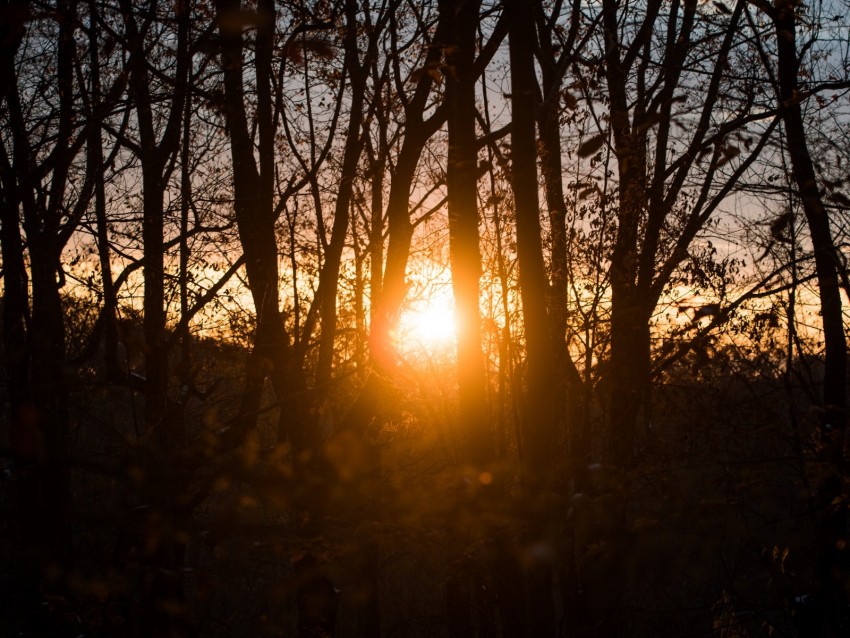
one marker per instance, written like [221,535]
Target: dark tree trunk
[94,150]
[831,573]
[153,155]
[254,207]
[647,194]
[35,341]
[537,421]
[163,527]
[272,355]
[393,284]
[817,218]
[23,435]
[629,371]
[462,178]
[329,277]
[629,364]
[566,411]
[376,232]
[466,616]
[538,416]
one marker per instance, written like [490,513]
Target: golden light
[427,325]
[426,331]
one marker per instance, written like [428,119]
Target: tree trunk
[329,276]
[164,522]
[35,342]
[566,412]
[23,435]
[817,218]
[831,571]
[465,616]
[462,177]
[272,355]
[537,421]
[537,416]
[94,151]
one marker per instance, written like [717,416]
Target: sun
[428,325]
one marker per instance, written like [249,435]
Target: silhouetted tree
[828,614]
[38,163]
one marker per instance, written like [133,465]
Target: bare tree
[38,164]
[162,582]
[827,620]
[659,214]
[538,413]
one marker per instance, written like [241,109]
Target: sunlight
[428,324]
[426,328]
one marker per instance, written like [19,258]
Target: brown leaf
[435,74]
[648,122]
[432,70]
[840,198]
[731,151]
[321,47]
[592,145]
[235,20]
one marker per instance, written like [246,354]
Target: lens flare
[427,325]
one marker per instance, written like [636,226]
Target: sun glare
[427,325]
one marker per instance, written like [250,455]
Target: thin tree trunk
[272,355]
[462,178]
[537,421]
[23,435]
[94,149]
[549,126]
[329,276]
[817,218]
[376,228]
[537,417]
[35,343]
[830,569]
[165,519]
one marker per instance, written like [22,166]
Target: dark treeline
[217,215]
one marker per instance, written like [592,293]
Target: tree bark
[165,518]
[329,276]
[537,415]
[35,342]
[465,616]
[831,565]
[272,355]
[465,253]
[94,150]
